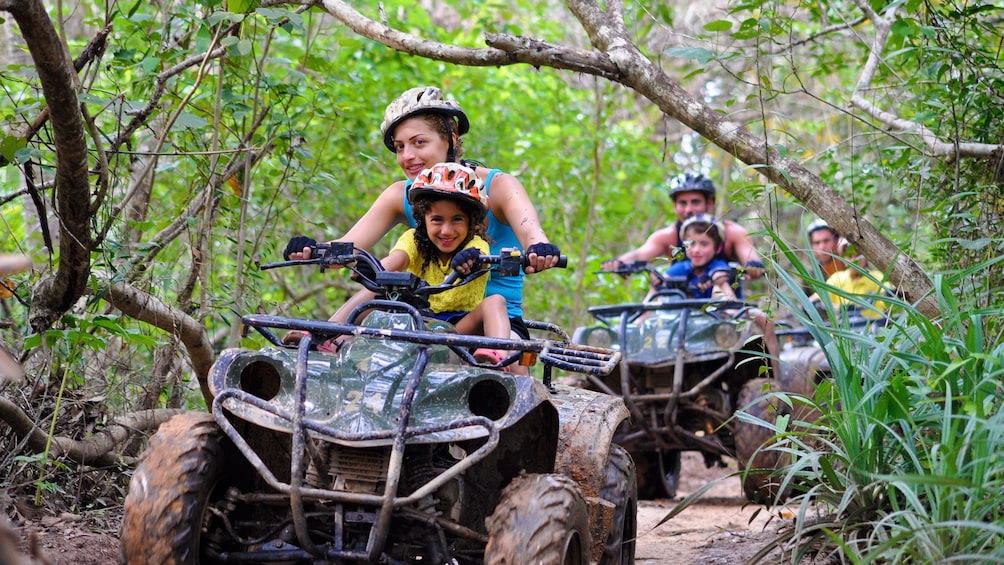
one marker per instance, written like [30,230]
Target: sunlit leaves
[718,26]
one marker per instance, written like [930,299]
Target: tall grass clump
[902,460]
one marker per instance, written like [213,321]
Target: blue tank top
[499,235]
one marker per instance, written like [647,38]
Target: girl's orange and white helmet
[450,180]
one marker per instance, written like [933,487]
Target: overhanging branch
[149,309]
[935,146]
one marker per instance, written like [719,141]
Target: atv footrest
[580,358]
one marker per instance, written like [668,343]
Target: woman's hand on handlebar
[299,248]
[541,256]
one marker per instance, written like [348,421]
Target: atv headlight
[600,337]
[262,379]
[726,336]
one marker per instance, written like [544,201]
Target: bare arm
[385,212]
[657,244]
[511,205]
[396,261]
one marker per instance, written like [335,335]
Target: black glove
[543,249]
[465,255]
[296,245]
[364,269]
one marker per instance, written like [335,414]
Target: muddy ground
[720,529]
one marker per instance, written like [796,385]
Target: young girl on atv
[449,205]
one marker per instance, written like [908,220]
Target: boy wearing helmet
[694,194]
[422,128]
[708,274]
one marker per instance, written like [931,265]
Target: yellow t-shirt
[460,299]
[859,285]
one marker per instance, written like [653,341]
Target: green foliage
[902,459]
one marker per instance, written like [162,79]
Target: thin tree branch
[96,450]
[935,146]
[147,308]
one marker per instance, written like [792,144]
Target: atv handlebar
[659,278]
[509,261]
[405,286]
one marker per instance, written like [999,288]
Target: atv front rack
[611,313]
[305,431]
[560,354]
[303,447]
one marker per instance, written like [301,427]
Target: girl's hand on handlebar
[541,256]
[466,260]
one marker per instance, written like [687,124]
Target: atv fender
[587,422]
[802,368]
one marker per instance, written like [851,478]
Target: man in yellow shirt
[853,281]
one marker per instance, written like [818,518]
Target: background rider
[694,194]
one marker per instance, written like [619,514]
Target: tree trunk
[55,294]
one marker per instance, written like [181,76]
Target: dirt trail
[717,530]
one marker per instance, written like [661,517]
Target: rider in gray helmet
[693,194]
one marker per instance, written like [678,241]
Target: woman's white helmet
[420,100]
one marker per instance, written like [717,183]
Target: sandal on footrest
[490,357]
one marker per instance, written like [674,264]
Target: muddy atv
[687,365]
[397,447]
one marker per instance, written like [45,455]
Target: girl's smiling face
[447,225]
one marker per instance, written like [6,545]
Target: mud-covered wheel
[760,484]
[658,473]
[181,472]
[620,486]
[540,519]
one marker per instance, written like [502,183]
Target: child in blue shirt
[707,276]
